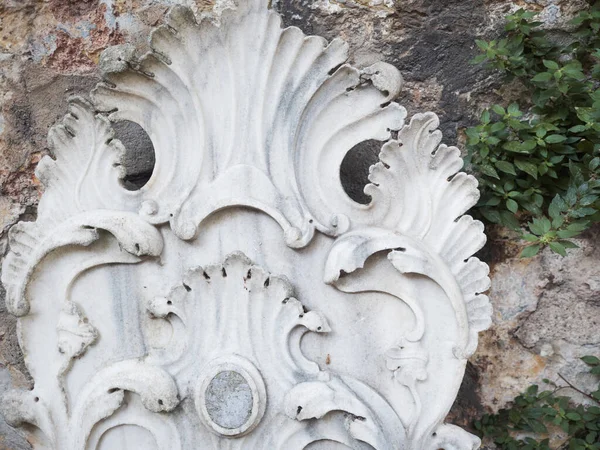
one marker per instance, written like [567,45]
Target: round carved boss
[231,397]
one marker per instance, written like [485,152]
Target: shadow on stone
[354,170]
[139,155]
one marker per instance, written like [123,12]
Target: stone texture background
[547,308]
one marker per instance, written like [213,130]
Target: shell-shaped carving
[270,322]
[279,118]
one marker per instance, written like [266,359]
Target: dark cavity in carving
[139,156]
[354,171]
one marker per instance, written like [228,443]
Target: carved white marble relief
[240,299]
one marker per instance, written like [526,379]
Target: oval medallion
[231,396]
[228,399]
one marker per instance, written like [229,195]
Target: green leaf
[491,215]
[473,133]
[513,110]
[527,167]
[483,45]
[499,110]
[591,360]
[578,226]
[567,234]
[536,227]
[574,73]
[478,59]
[583,212]
[509,220]
[577,129]
[558,222]
[515,146]
[573,416]
[546,224]
[488,170]
[555,139]
[542,77]
[485,117]
[558,248]
[530,251]
[512,206]
[493,140]
[505,167]
[587,200]
[568,244]
[550,64]
[530,237]
[557,206]
[493,201]
[529,145]
[563,88]
[498,126]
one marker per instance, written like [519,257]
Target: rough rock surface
[546,308]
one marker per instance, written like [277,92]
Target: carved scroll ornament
[240,299]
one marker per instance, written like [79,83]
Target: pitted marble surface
[229,399]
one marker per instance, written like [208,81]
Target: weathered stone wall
[546,308]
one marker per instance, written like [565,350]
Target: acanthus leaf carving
[86,169]
[31,242]
[408,255]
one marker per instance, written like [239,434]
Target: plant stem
[585,394]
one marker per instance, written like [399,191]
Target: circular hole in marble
[354,171]
[139,156]
[229,400]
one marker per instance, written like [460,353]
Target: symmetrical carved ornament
[143,320]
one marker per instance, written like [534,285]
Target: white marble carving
[240,299]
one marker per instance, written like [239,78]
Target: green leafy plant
[539,162]
[535,414]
